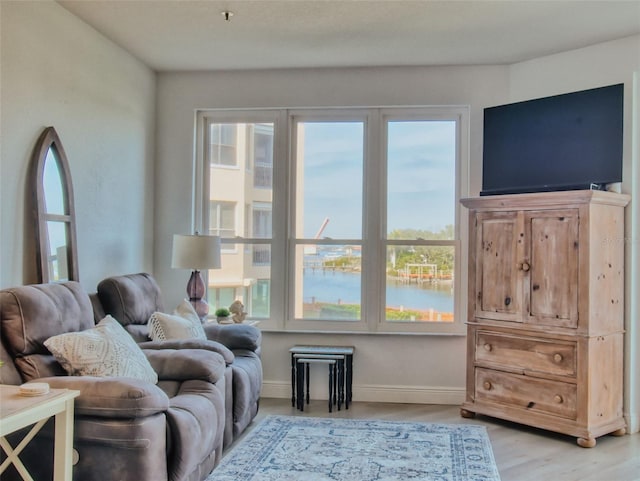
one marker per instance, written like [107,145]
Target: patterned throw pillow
[183,324]
[106,350]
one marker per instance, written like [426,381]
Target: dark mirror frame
[49,140]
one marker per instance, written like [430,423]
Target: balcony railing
[261,255]
[263,176]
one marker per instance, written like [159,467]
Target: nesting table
[340,362]
[18,411]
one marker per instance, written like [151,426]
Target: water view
[433,300]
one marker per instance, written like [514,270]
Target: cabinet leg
[586,442]
[467,414]
[619,432]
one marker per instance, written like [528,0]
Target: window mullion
[373,222]
[280,221]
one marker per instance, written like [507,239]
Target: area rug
[287,448]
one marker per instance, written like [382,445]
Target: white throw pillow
[106,350]
[183,324]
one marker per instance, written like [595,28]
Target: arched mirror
[57,257]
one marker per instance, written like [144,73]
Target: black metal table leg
[293,380]
[340,382]
[349,374]
[308,379]
[331,387]
[300,387]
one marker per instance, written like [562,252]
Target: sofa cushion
[105,350]
[35,366]
[131,299]
[247,376]
[206,345]
[112,397]
[139,332]
[183,324]
[32,314]
[235,336]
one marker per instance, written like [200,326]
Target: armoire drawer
[526,353]
[532,394]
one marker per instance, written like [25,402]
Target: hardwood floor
[522,453]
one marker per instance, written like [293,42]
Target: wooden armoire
[546,311]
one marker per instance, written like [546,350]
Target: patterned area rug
[285,448]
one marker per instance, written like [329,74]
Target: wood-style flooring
[522,453]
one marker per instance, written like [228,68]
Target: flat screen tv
[565,142]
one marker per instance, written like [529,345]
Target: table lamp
[196,252]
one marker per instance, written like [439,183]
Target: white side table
[18,411]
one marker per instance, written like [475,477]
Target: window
[329,162]
[237,195]
[420,233]
[261,216]
[263,155]
[222,220]
[261,228]
[222,144]
[365,208]
[260,299]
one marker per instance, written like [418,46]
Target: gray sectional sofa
[206,395]
[125,429]
[133,298]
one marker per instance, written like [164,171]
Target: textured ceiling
[171,35]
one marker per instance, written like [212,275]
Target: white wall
[420,368]
[392,368]
[604,64]
[56,70]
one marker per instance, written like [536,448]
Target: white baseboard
[380,393]
[633,422]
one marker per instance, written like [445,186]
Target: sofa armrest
[112,397]
[235,336]
[186,364]
[179,344]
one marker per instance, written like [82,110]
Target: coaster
[34,389]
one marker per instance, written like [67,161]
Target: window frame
[374,242]
[201,187]
[320,115]
[460,115]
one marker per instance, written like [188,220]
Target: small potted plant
[222,315]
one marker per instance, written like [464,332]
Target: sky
[421,176]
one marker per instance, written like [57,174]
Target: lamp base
[196,291]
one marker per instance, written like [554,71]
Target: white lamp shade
[196,252]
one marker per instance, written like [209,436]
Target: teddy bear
[237,312]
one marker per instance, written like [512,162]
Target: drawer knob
[558,399]
[557,357]
[487,385]
[524,266]
[488,347]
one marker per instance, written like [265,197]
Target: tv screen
[565,142]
